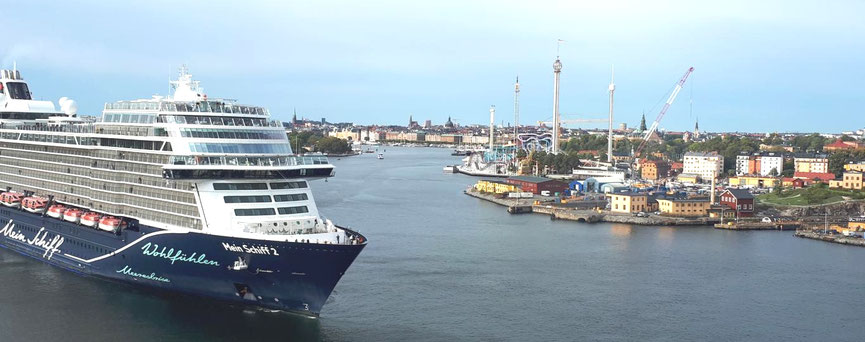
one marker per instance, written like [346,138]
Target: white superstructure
[183,161]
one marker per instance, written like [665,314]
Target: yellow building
[654,169]
[860,166]
[495,186]
[688,178]
[684,207]
[755,181]
[629,202]
[850,180]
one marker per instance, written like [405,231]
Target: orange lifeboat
[11,199]
[90,219]
[34,204]
[56,211]
[72,215]
[110,223]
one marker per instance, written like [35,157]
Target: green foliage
[301,139]
[846,137]
[838,158]
[809,143]
[560,163]
[332,145]
[816,194]
[773,139]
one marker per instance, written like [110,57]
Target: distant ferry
[182,193]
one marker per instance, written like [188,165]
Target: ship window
[293,210]
[246,199]
[18,91]
[287,185]
[254,212]
[239,186]
[292,197]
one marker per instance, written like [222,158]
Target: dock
[835,238]
[751,225]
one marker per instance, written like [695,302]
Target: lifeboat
[11,199]
[111,224]
[56,211]
[72,215]
[34,204]
[90,219]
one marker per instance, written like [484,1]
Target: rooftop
[741,193]
[530,179]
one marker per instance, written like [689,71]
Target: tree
[332,145]
[773,172]
[846,137]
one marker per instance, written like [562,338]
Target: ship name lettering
[51,243]
[152,249]
[232,247]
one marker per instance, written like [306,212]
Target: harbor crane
[670,100]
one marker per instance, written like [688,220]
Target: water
[444,266]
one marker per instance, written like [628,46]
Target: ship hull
[287,276]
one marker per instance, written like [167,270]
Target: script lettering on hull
[175,255]
[49,242]
[152,276]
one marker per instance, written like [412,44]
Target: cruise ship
[183,193]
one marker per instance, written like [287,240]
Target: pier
[836,238]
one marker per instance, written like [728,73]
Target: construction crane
[670,100]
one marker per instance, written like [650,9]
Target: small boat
[56,211]
[33,204]
[380,156]
[11,199]
[90,219]
[111,224]
[72,215]
[449,169]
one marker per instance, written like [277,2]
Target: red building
[739,200]
[536,185]
[815,176]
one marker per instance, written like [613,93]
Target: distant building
[858,166]
[696,207]
[536,185]
[811,163]
[754,181]
[815,176]
[850,180]
[427,124]
[740,200]
[843,145]
[706,165]
[759,164]
[654,170]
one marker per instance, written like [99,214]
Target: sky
[760,66]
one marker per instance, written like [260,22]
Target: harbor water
[443,266]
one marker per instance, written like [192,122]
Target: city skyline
[758,67]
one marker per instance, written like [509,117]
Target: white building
[771,161]
[742,164]
[705,164]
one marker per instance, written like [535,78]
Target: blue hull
[287,276]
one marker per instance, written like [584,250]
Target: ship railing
[248,161]
[90,128]
[194,107]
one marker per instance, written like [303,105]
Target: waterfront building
[811,163]
[692,207]
[654,170]
[495,186]
[705,164]
[850,180]
[739,200]
[630,202]
[537,185]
